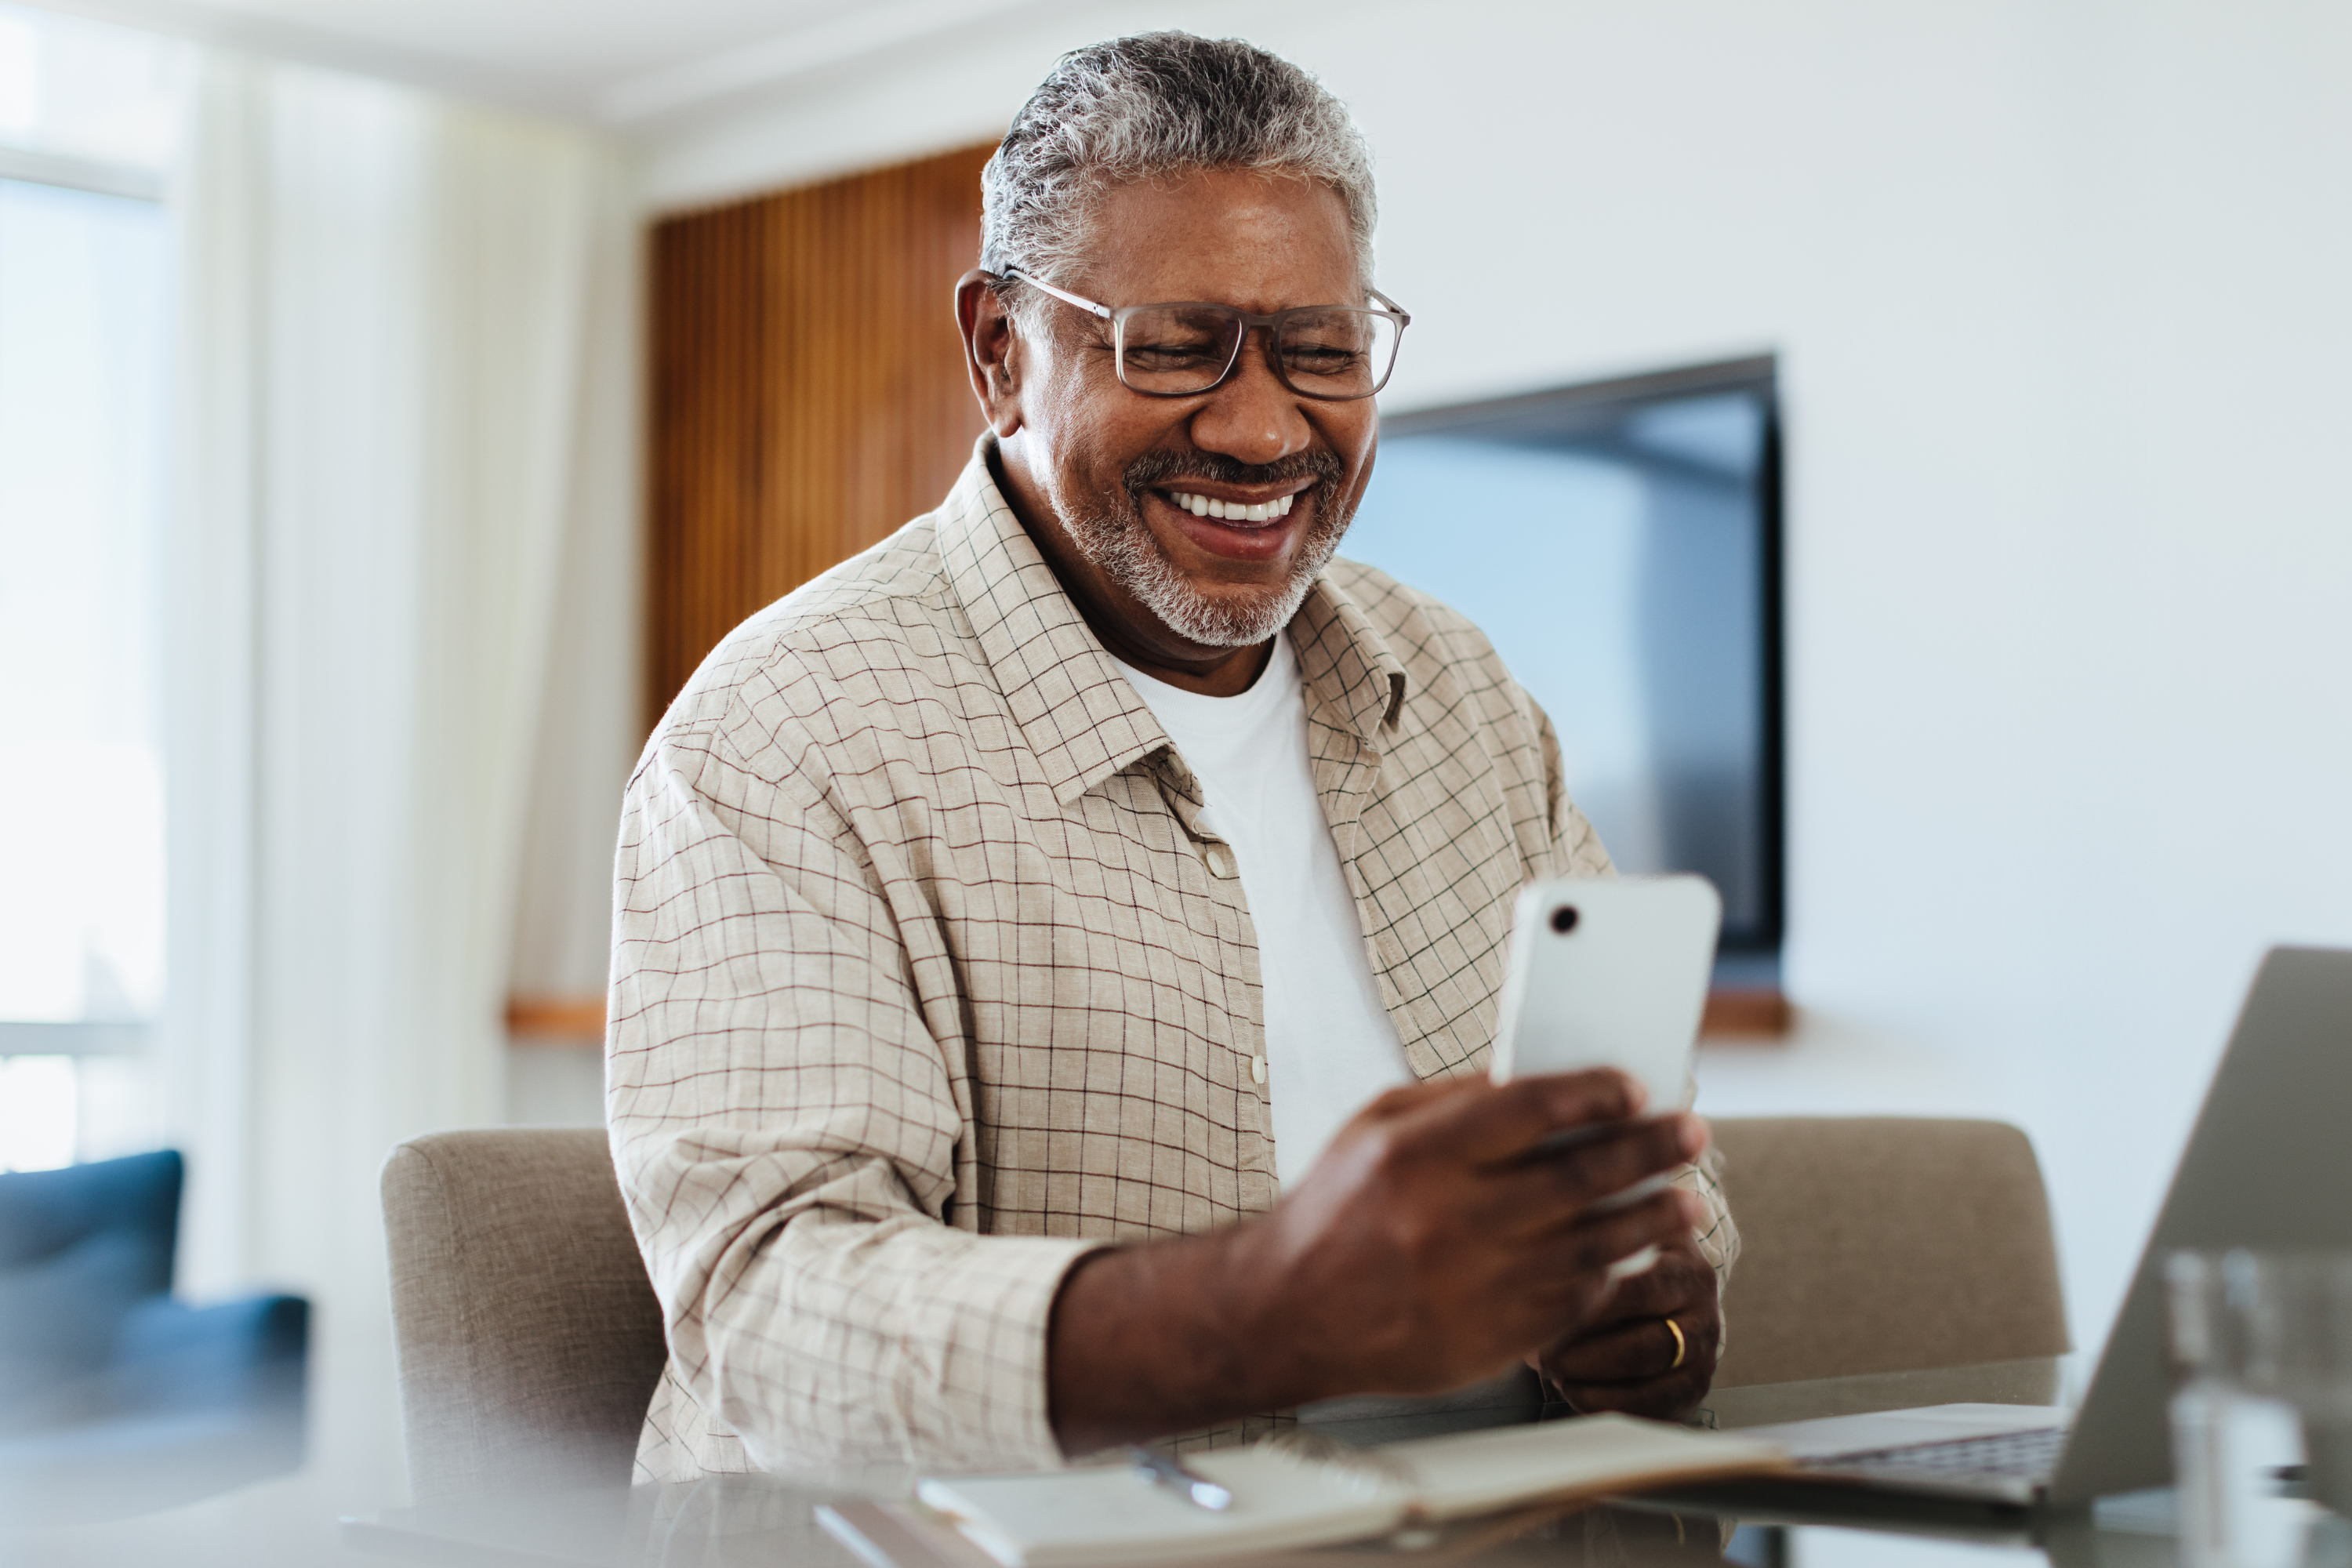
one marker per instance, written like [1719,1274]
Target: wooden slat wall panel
[808,389]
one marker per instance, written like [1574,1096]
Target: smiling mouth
[1229,512]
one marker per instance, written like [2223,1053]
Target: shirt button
[1258,1069]
[1220,859]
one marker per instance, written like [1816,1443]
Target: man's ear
[992,352]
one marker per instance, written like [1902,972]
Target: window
[84,112]
[1620,542]
[81,801]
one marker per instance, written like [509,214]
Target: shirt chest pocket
[1438,868]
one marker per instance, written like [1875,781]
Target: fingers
[1642,1368]
[1550,1186]
[1505,1121]
[1680,1284]
[1630,1352]
[1635,1351]
[1624,1357]
[1589,1243]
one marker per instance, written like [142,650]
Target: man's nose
[1252,418]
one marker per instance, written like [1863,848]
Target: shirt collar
[1079,715]
[1350,670]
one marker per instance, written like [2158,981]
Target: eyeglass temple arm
[1064,295]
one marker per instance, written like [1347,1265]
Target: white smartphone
[1609,972]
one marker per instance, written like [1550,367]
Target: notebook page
[1297,1495]
[1474,1472]
[1110,1515]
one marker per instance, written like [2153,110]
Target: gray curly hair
[1153,105]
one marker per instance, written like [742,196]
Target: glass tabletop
[772,1520]
[741,1521]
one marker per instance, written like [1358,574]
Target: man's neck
[1129,631]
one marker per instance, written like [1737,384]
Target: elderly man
[1057,951]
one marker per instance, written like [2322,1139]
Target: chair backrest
[1885,1244]
[529,1335]
[529,1338]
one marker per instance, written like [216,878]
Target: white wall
[2060,293]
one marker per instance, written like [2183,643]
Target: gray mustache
[1154,469]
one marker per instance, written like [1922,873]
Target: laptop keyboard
[1959,1461]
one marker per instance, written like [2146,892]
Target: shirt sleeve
[1576,849]
[786,1129]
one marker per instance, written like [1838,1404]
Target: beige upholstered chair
[1885,1244]
[529,1336]
[529,1339]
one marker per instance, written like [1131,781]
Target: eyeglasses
[1334,353]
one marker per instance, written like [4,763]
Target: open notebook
[1298,1493]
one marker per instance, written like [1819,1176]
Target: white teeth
[1232,510]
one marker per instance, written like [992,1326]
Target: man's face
[1106,465]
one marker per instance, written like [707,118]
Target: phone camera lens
[1563,919]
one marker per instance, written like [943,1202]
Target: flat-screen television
[1621,544]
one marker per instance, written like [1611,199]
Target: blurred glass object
[1619,543]
[2262,1351]
[82,300]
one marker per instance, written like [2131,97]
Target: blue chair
[114,1398]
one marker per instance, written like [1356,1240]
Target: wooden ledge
[556,1020]
[1746,1016]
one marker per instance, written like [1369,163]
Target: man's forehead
[1258,241]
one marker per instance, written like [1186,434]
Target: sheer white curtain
[389,434]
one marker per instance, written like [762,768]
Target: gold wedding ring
[1682,1346]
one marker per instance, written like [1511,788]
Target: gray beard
[1121,546]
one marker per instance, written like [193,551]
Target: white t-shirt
[1330,1045]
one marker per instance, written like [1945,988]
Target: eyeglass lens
[1175,350]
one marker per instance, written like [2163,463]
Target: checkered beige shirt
[927,980]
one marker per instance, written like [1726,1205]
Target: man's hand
[1440,1239]
[1624,1358]
[1436,1234]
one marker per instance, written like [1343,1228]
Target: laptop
[2269,1163]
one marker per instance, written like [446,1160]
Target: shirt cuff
[977,1353]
